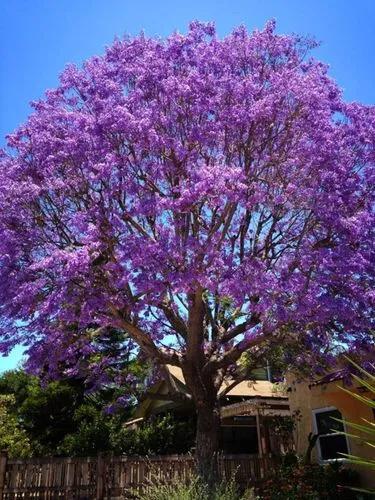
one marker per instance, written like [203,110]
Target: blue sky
[39,37]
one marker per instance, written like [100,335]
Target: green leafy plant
[367,428]
[13,438]
[294,480]
[159,436]
[283,427]
[195,489]
[58,418]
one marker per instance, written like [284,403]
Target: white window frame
[315,426]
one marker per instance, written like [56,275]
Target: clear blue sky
[39,37]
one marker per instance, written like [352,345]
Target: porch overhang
[267,407]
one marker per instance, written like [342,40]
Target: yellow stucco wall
[306,399]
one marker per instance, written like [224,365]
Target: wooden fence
[110,477]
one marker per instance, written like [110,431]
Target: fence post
[100,477]
[3,469]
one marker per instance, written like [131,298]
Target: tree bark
[204,391]
[207,443]
[312,439]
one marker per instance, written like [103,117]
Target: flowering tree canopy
[209,197]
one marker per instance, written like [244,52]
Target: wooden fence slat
[3,469]
[100,465]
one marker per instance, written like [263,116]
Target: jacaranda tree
[208,197]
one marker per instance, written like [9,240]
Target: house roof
[330,377]
[256,391]
[246,388]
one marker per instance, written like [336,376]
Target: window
[239,439]
[261,373]
[330,444]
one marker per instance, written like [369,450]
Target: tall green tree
[13,438]
[58,418]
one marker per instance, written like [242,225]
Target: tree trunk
[207,443]
[204,390]
[312,439]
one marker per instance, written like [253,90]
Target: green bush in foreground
[296,481]
[195,490]
[365,431]
[163,435]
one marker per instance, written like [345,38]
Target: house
[317,404]
[248,412]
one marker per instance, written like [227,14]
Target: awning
[262,407]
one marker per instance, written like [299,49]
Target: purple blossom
[225,169]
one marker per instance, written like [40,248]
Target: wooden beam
[3,469]
[260,447]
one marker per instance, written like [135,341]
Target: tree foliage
[161,435]
[191,171]
[61,419]
[295,481]
[13,438]
[57,417]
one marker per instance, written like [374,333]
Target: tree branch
[241,328]
[145,342]
[178,397]
[174,319]
[234,354]
[243,376]
[195,336]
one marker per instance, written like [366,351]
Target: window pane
[326,424]
[259,374]
[239,439]
[331,446]
[245,420]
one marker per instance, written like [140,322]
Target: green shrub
[13,438]
[296,481]
[195,490]
[366,430]
[161,436]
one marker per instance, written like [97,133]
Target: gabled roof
[246,388]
